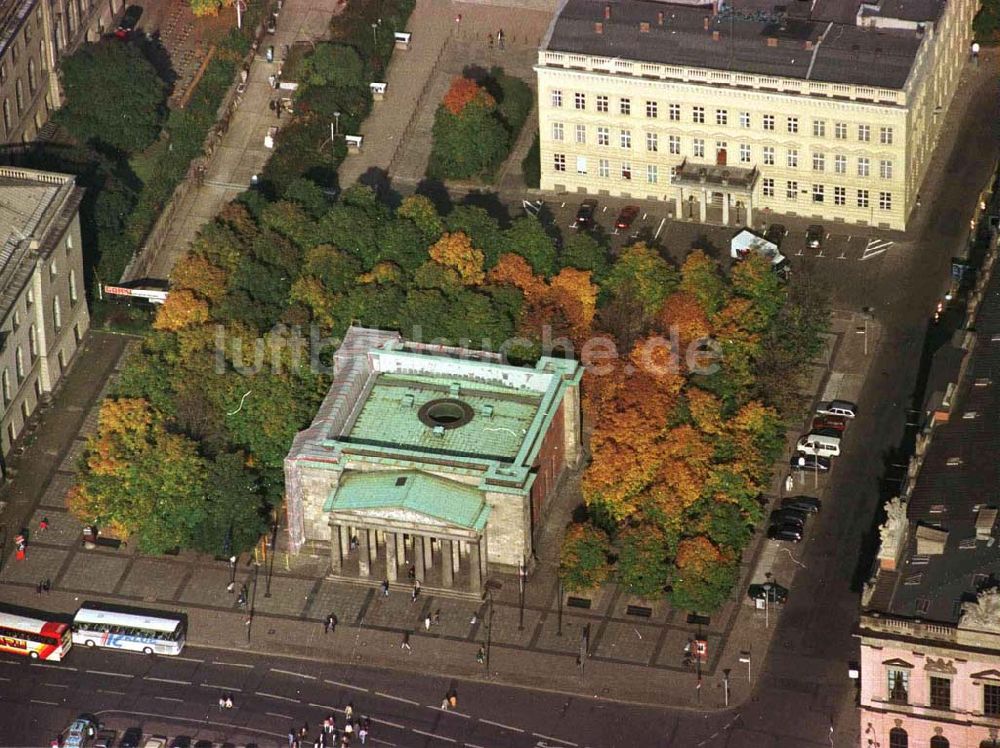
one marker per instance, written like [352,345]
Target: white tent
[747,241]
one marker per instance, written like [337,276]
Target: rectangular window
[793,124]
[840,130]
[581,134]
[557,130]
[940,693]
[885,201]
[698,115]
[580,100]
[721,117]
[625,106]
[862,198]
[625,139]
[651,173]
[819,128]
[581,164]
[674,144]
[840,164]
[818,193]
[899,685]
[792,158]
[744,153]
[863,167]
[864,133]
[652,142]
[559,161]
[991,700]
[603,136]
[603,168]
[602,104]
[674,111]
[698,148]
[557,98]
[626,171]
[885,169]
[744,119]
[839,195]
[769,122]
[652,110]
[768,155]
[885,135]
[819,162]
[768,187]
[792,190]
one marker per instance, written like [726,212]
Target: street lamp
[336,123]
[274,545]
[559,630]
[232,568]
[253,601]
[489,629]
[725,684]
[521,574]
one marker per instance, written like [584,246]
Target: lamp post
[232,569]
[253,600]
[725,684]
[521,574]
[559,630]
[375,34]
[270,563]
[336,123]
[489,629]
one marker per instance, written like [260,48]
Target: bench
[578,602]
[402,39]
[378,90]
[354,142]
[639,610]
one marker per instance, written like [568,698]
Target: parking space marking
[169,680]
[232,664]
[277,696]
[169,698]
[46,703]
[279,716]
[292,672]
[224,688]
[112,675]
[449,711]
[549,737]
[875,247]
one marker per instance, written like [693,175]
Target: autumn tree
[703,576]
[455,251]
[196,273]
[646,275]
[470,139]
[700,277]
[584,558]
[643,567]
[181,309]
[421,211]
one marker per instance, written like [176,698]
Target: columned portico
[714,185]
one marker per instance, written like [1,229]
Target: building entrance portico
[706,187]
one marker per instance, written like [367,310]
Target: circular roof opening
[447,413]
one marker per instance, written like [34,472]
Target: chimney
[607,12]
[715,36]
[643,27]
[659,18]
[706,23]
[931,540]
[598,27]
[772,41]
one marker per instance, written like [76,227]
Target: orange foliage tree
[465,91]
[455,251]
[181,309]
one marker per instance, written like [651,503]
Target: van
[819,444]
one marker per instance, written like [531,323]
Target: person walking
[427,622]
[44,524]
[304,730]
[437,617]
[349,712]
[481,655]
[38,588]
[385,588]
[46,585]
[406,642]
[222,703]
[291,737]
[329,623]
[416,591]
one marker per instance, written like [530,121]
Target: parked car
[829,422]
[835,433]
[817,444]
[792,533]
[802,503]
[775,234]
[79,732]
[770,591]
[814,236]
[155,742]
[181,741]
[129,21]
[626,217]
[789,517]
[105,739]
[272,23]
[585,214]
[131,738]
[842,408]
[810,463]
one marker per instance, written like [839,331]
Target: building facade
[736,110]
[440,460]
[34,36]
[42,302]
[930,615]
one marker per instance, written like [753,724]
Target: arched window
[32,341]
[32,78]
[56,313]
[72,287]
[898,738]
[19,95]
[5,377]
[19,364]
[939,741]
[6,116]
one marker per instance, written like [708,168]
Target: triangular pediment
[987,675]
[896,662]
[400,514]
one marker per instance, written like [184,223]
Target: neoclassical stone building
[436,459]
[731,109]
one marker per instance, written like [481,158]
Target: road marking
[169,698]
[195,720]
[116,693]
[186,659]
[502,725]
[276,696]
[47,703]
[110,675]
[326,706]
[549,737]
[659,228]
[875,247]
[345,685]
[279,716]
[432,735]
[224,688]
[5,680]
[396,698]
[170,680]
[292,672]
[387,722]
[50,665]
[53,685]
[232,664]
[449,711]
[472,745]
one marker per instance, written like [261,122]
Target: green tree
[481,228]
[337,65]
[420,210]
[647,276]
[700,276]
[113,96]
[235,514]
[705,589]
[472,143]
[351,228]
[643,568]
[583,560]
[582,251]
[401,241]
[527,237]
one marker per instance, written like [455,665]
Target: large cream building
[829,110]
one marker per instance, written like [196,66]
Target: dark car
[585,214]
[105,739]
[131,738]
[129,21]
[626,217]
[785,532]
[801,461]
[775,234]
[829,422]
[814,236]
[789,517]
[770,591]
[835,433]
[802,503]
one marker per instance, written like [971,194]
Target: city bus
[36,637]
[159,632]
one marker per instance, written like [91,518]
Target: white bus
[103,626]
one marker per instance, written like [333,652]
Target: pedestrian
[46,585]
[38,588]
[416,591]
[278,110]
[437,616]
[272,104]
[291,737]
[333,622]
[44,524]
[318,742]
[489,40]
[20,553]
[452,697]
[444,704]
[406,642]
[427,622]
[230,587]
[348,727]
[304,730]
[363,734]
[229,701]
[500,38]
[474,620]
[326,625]
[349,711]
[481,655]
[385,588]
[789,483]
[222,703]
[411,573]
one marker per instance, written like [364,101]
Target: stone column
[475,568]
[390,556]
[428,552]
[345,540]
[725,208]
[456,556]
[749,211]
[336,557]
[447,570]
[400,547]
[418,555]
[679,203]
[703,208]
[364,556]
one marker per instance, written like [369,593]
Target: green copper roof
[446,500]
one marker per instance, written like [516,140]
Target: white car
[841,408]
[155,742]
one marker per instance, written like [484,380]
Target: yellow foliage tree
[181,309]
[455,251]
[197,274]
